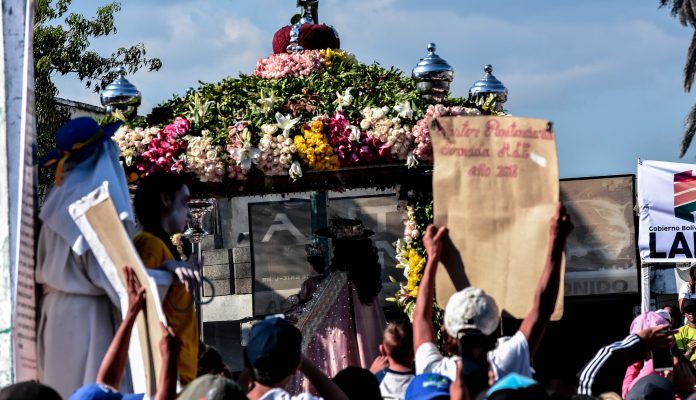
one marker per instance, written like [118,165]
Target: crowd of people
[335,343]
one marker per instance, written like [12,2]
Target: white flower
[295,170]
[246,156]
[378,113]
[404,110]
[269,129]
[266,102]
[285,123]
[354,134]
[411,160]
[365,124]
[344,100]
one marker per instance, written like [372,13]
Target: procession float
[309,118]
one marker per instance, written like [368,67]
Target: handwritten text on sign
[517,147]
[495,181]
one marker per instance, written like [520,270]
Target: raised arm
[423,330]
[170,346]
[325,386]
[548,285]
[114,364]
[605,370]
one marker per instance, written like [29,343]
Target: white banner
[667,205]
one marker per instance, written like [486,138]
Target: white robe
[79,314]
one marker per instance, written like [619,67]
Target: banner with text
[495,184]
[667,203]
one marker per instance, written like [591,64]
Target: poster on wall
[279,232]
[666,204]
[601,251]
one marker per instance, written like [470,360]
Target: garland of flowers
[256,124]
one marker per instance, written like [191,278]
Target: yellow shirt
[684,335]
[177,305]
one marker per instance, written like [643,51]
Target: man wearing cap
[79,308]
[686,335]
[273,355]
[471,316]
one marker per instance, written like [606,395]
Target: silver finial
[121,95]
[294,46]
[488,85]
[433,76]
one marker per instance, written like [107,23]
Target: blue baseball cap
[516,386]
[428,386]
[96,391]
[273,339]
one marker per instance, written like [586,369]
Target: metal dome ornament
[433,76]
[488,85]
[121,95]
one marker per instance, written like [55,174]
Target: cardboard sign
[101,226]
[495,186]
[667,203]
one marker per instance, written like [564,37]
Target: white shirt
[511,355]
[393,384]
[280,394]
[685,293]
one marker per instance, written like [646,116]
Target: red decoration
[312,37]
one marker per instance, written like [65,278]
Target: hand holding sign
[496,181]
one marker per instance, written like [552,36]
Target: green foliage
[256,100]
[62,46]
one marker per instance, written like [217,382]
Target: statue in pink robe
[342,322]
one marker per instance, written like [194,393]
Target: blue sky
[608,73]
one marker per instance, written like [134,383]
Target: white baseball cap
[471,308]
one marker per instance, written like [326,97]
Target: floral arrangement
[290,64]
[206,159]
[352,145]
[421,131]
[166,152]
[317,110]
[314,147]
[411,255]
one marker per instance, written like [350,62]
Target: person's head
[647,320]
[358,384]
[29,390]
[516,387]
[315,258]
[690,312]
[273,352]
[429,386]
[397,342]
[213,387]
[651,387]
[96,391]
[161,203]
[210,362]
[470,315]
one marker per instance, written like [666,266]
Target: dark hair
[148,203]
[692,278]
[272,370]
[359,257]
[210,361]
[398,342]
[317,263]
[358,384]
[28,390]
